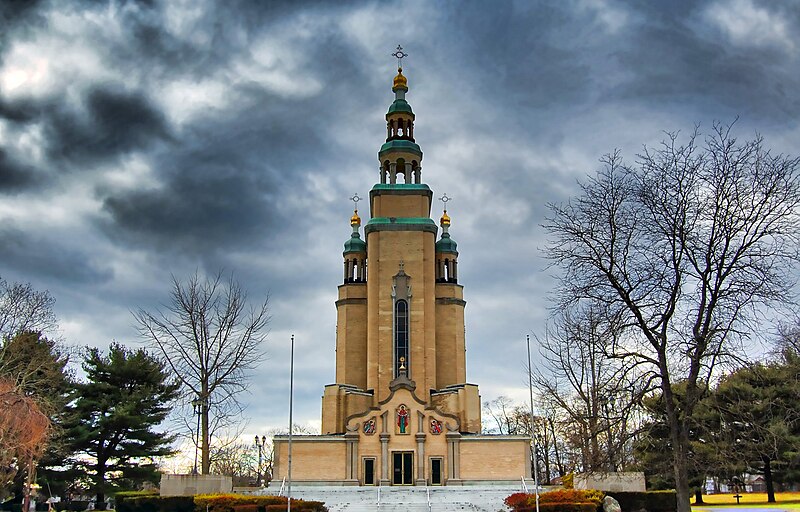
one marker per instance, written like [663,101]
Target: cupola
[446,252]
[400,156]
[355,253]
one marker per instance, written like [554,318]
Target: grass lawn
[785,501]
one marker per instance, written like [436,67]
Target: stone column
[351,466]
[453,453]
[421,477]
[384,459]
[393,173]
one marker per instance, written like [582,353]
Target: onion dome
[400,81]
[355,244]
[446,244]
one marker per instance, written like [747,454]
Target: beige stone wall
[495,457]
[450,342]
[314,458]
[339,403]
[351,335]
[390,205]
[621,482]
[190,485]
[465,402]
[385,251]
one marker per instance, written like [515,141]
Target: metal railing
[283,484]
[524,485]
[428,492]
[378,502]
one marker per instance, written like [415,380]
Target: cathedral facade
[401,411]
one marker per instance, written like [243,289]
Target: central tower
[401,411]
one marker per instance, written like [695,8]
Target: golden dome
[355,220]
[445,220]
[400,81]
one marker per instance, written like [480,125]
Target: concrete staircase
[472,498]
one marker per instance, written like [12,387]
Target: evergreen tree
[758,414]
[113,416]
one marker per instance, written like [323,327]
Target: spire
[446,244]
[400,155]
[355,244]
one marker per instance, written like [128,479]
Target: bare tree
[597,395]
[211,338]
[685,248]
[24,309]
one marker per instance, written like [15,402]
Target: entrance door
[436,471]
[369,471]
[402,468]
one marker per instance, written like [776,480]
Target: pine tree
[113,416]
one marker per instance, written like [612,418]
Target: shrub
[650,501]
[568,481]
[155,503]
[229,502]
[516,500]
[572,496]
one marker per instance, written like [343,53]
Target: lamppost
[533,439]
[289,458]
[197,406]
[260,446]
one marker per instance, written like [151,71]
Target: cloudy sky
[140,140]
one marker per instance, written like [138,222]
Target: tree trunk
[100,498]
[679,436]
[698,496]
[768,480]
[205,448]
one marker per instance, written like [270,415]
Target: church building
[401,411]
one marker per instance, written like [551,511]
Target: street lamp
[260,445]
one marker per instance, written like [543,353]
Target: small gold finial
[445,220]
[400,81]
[355,220]
[402,363]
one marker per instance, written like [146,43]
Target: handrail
[283,483]
[428,492]
[379,494]
[524,485]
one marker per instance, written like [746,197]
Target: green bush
[650,501]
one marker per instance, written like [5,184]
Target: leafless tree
[686,248]
[597,395]
[24,309]
[211,338]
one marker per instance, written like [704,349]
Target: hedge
[212,503]
[650,501]
[560,507]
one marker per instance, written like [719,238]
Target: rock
[611,505]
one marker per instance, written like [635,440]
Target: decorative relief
[369,427]
[403,422]
[436,427]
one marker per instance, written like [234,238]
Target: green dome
[355,244]
[446,244]
[402,145]
[400,105]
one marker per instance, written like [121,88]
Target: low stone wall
[626,481]
[190,485]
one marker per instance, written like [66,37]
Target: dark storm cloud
[223,185]
[112,123]
[15,176]
[50,259]
[671,56]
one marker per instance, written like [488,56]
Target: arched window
[400,335]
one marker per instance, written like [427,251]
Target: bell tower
[400,311]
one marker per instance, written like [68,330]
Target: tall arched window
[400,335]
